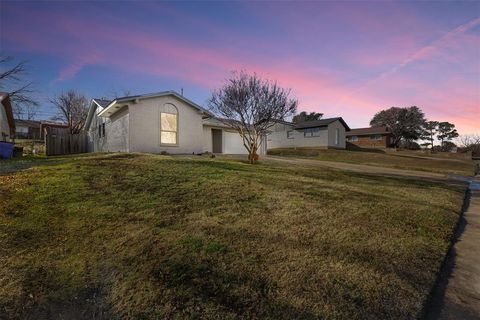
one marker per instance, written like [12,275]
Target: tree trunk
[253,156]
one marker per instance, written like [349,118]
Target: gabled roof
[320,123]
[27,123]
[368,131]
[102,102]
[7,105]
[108,105]
[283,122]
[109,110]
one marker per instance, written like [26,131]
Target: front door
[217,141]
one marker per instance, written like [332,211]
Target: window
[337,135]
[376,137]
[168,128]
[290,134]
[311,132]
[103,129]
[353,138]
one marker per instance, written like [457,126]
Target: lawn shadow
[20,164]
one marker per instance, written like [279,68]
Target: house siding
[277,138]
[365,141]
[232,142]
[332,141]
[145,127]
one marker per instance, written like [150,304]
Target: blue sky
[346,59]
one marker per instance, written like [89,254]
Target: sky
[348,59]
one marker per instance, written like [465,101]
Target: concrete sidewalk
[458,292]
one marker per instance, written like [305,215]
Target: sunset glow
[348,59]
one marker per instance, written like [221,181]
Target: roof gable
[109,111]
[320,123]
[368,131]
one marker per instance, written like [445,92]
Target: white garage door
[233,143]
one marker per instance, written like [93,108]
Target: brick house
[373,137]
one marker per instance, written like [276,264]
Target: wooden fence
[60,141]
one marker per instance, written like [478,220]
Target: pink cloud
[321,89]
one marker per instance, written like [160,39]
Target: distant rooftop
[320,123]
[368,131]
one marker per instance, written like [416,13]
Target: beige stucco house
[323,133]
[156,123]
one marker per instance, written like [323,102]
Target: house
[156,123]
[7,124]
[27,129]
[323,133]
[35,130]
[373,137]
[46,124]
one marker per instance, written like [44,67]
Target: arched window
[168,124]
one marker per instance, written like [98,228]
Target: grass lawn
[408,160]
[147,236]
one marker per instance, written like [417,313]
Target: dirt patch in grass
[148,236]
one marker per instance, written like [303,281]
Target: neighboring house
[7,124]
[158,122]
[323,133]
[27,129]
[35,130]
[373,137]
[45,125]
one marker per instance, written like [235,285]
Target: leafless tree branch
[72,108]
[249,104]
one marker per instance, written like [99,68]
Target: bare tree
[306,116]
[114,94]
[470,143]
[248,104]
[20,91]
[72,108]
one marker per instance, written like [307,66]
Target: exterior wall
[144,128]
[26,132]
[278,139]
[116,132]
[4,127]
[232,142]
[332,141]
[207,139]
[365,141]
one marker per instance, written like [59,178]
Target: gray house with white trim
[156,123]
[323,133]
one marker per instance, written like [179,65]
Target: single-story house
[7,124]
[156,123]
[323,133]
[33,129]
[27,129]
[373,137]
[46,124]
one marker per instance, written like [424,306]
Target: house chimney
[181,90]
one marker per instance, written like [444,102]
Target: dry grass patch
[140,236]
[407,160]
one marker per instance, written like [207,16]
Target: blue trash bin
[6,150]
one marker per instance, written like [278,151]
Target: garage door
[233,143]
